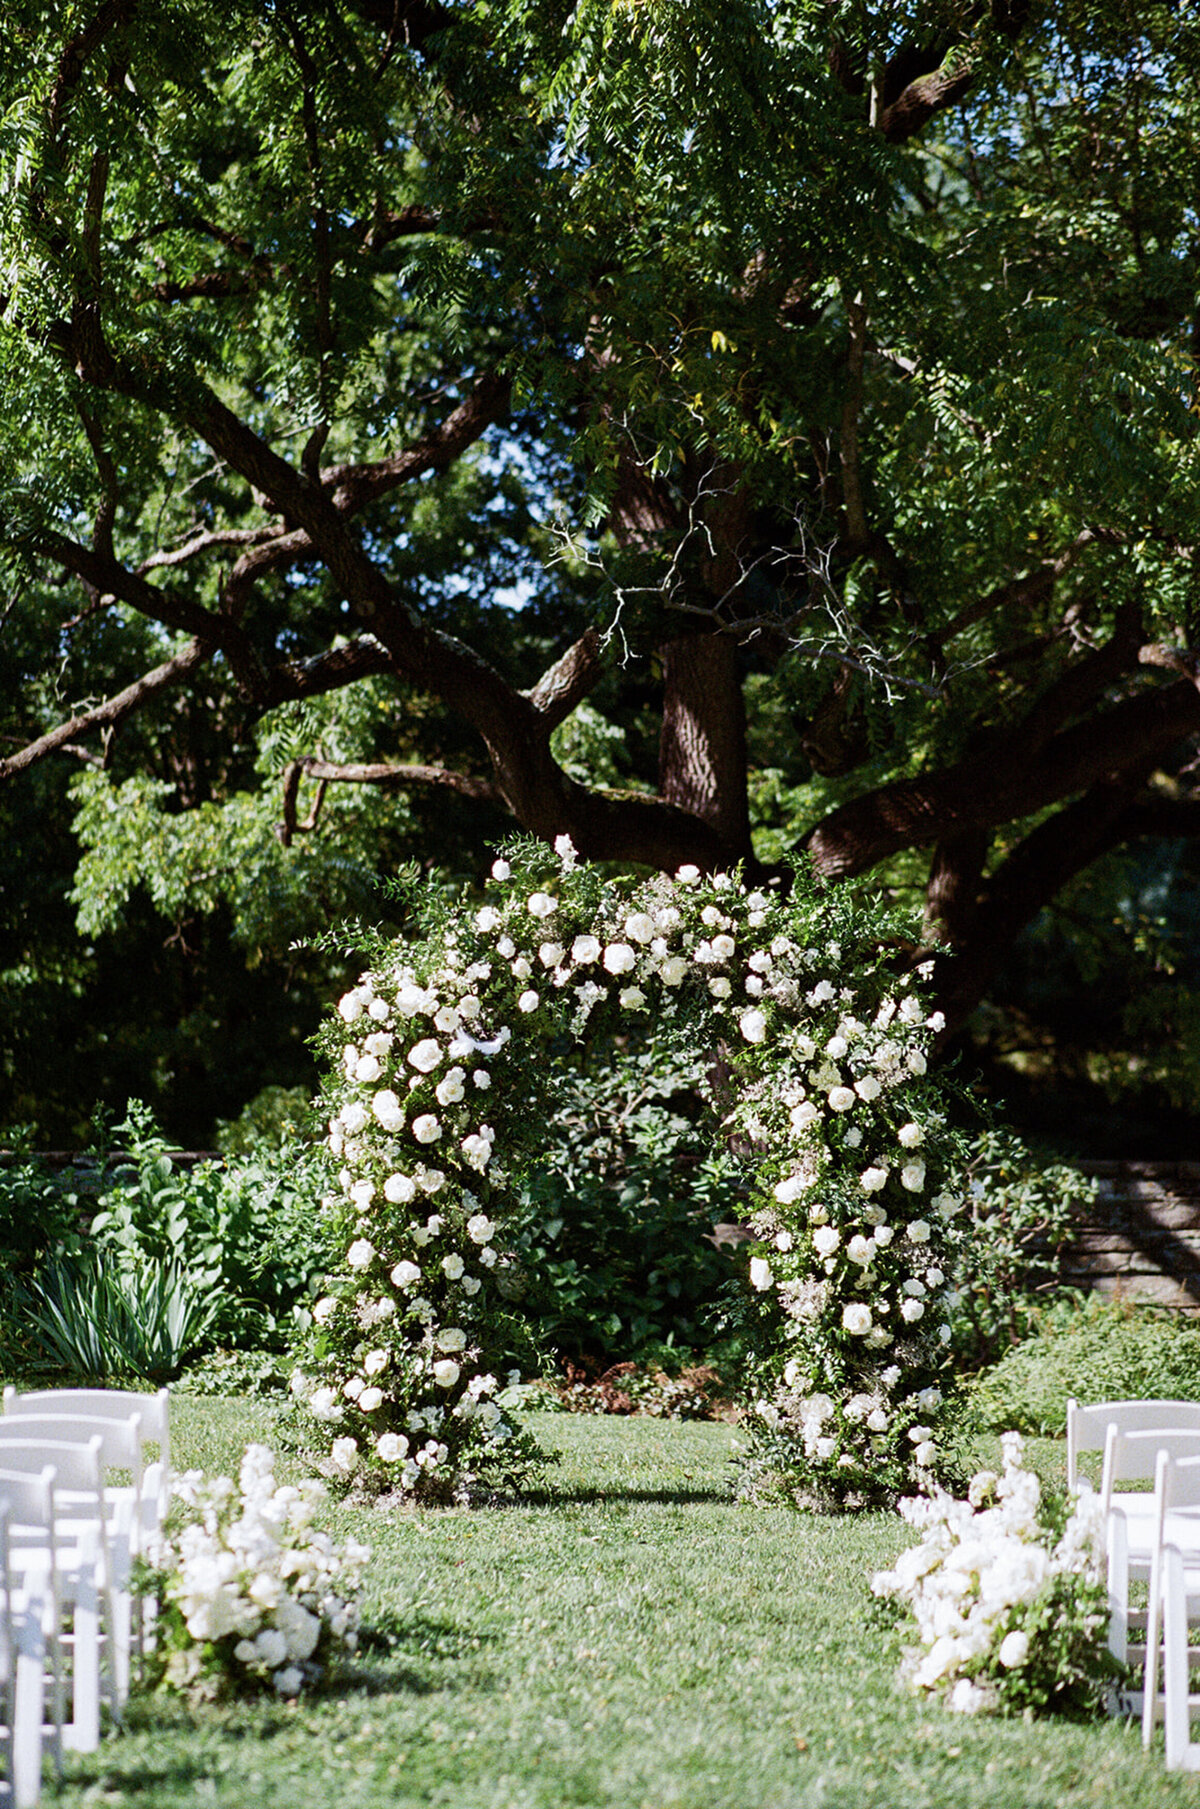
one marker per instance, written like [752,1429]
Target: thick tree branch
[568,681]
[327,772]
[985,791]
[928,95]
[111,712]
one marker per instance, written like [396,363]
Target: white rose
[826,1240]
[521,969]
[619,958]
[528,1002]
[860,1249]
[874,1178]
[912,1176]
[488,919]
[501,870]
[324,1309]
[912,1310]
[724,947]
[925,1453]
[760,1274]
[350,1007]
[856,1319]
[1014,1649]
[362,1193]
[449,1089]
[353,1117]
[632,998]
[753,1026]
[343,1455]
[452,1266]
[375,1362]
[481,1079]
[426,1128]
[367,1068]
[720,988]
[386,1108]
[868,1088]
[271,1646]
[674,971]
[370,1399]
[640,927]
[540,904]
[909,1135]
[841,1099]
[392,1447]
[452,1337]
[360,1253]
[446,1373]
[405,1274]
[399,1190]
[585,949]
[687,876]
[425,1055]
[480,1229]
[918,1231]
[566,850]
[803,1115]
[551,953]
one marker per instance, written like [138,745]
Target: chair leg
[28,1688]
[1153,1625]
[1118,1587]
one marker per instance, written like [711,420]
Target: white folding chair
[1087,1427]
[1176,1525]
[24,1615]
[153,1411]
[32,1590]
[1132,1523]
[92,1568]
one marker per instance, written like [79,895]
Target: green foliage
[271,1120]
[40,1210]
[92,1319]
[613,1231]
[1095,1350]
[1024,1209]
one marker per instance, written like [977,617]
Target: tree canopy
[713,431]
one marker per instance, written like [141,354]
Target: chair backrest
[27,1498]
[78,1467]
[1087,1427]
[1134,1456]
[154,1410]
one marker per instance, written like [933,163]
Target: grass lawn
[633,1639]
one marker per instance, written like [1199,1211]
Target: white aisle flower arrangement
[250,1595]
[1007,1594]
[438,1060]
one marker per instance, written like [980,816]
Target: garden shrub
[613,1230]
[443,1064]
[155,1261]
[1023,1211]
[1096,1350]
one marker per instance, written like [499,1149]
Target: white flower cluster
[250,1593]
[978,1582]
[439,1063]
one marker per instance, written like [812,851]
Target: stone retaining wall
[1141,1239]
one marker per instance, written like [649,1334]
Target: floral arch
[440,1059]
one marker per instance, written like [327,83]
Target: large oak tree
[486,362]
